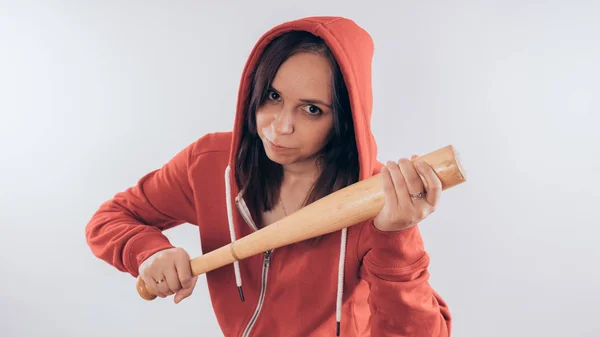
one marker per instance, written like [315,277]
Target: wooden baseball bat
[346,207]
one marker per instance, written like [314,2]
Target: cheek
[318,134]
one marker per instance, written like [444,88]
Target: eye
[313,110]
[273,96]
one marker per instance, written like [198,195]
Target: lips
[276,146]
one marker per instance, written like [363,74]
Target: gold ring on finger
[418,195]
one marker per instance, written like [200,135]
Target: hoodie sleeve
[127,229]
[395,265]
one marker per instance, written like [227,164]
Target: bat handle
[198,265]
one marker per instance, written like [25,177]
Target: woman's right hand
[168,272]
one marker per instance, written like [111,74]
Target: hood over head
[352,48]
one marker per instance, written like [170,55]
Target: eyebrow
[308,100]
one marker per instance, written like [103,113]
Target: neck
[298,181]
[300,174]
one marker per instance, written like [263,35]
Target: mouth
[276,146]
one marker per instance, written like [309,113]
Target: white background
[94,94]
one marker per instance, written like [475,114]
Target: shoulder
[212,143]
[205,159]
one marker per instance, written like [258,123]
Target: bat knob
[141,289]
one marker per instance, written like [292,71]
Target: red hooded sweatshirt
[360,280]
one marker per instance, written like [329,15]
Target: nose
[283,123]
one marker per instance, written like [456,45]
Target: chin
[278,158]
[286,160]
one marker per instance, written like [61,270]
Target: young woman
[301,132]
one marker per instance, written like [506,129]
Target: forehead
[304,76]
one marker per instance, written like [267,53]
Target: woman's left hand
[408,198]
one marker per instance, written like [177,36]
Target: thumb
[182,294]
[186,291]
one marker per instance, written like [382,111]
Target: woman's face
[296,120]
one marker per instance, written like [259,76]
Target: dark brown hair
[258,176]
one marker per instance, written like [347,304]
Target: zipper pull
[268,258]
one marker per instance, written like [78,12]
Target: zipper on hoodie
[261,298]
[265,267]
